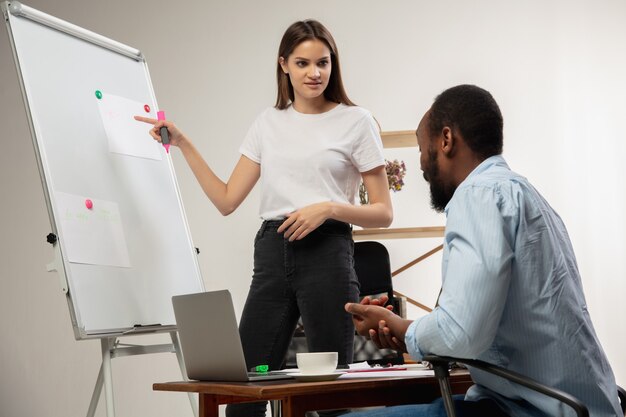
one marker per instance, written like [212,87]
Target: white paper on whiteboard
[126,135]
[92,236]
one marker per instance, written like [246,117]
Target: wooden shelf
[399,139]
[398,233]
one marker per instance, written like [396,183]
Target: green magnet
[99,94]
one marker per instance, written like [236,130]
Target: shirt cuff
[410,340]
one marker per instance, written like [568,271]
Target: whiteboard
[122,259]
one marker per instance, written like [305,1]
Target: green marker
[98,94]
[260,368]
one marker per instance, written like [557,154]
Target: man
[512,293]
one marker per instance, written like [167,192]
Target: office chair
[441,365]
[373,269]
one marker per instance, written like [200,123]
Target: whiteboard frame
[13,10]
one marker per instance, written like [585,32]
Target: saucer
[316,377]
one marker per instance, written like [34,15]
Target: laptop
[209,339]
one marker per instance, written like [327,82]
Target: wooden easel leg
[107,345]
[192,397]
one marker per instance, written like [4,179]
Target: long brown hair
[294,35]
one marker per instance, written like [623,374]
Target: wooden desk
[299,397]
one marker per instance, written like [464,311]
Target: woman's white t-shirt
[311,158]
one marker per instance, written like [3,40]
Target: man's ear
[448,141]
[283,64]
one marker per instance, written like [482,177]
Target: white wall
[556,68]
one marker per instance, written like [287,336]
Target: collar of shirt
[496,160]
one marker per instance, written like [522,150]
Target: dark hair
[474,113]
[294,36]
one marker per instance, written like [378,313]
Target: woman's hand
[176,136]
[300,223]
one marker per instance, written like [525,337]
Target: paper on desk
[359,365]
[286,371]
[366,367]
[385,374]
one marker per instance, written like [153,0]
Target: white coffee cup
[317,362]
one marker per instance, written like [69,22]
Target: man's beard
[440,194]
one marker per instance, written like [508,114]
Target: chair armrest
[399,305]
[442,362]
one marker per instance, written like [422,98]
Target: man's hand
[383,327]
[383,338]
[381,301]
[366,316]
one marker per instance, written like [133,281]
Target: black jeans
[313,278]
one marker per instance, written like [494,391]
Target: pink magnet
[89,204]
[146,108]
[161,115]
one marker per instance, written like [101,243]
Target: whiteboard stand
[77,160]
[112,348]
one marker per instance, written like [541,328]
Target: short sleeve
[251,146]
[367,152]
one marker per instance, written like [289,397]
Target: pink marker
[89,204]
[165,135]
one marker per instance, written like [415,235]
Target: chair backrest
[373,269]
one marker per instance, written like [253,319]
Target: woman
[310,150]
